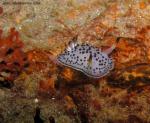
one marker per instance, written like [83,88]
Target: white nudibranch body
[88,59]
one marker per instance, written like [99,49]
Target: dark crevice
[51,119]
[37,118]
[84,118]
[26,65]
[25,59]
[81,106]
[9,51]
[6,84]
[3,63]
[16,63]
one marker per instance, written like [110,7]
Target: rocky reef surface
[35,89]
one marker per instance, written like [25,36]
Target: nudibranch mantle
[88,59]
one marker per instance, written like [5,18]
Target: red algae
[12,58]
[47,87]
[1,10]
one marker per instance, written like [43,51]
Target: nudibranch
[88,59]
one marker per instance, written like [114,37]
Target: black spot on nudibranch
[100,60]
[101,64]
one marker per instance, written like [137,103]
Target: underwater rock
[1,10]
[13,60]
[132,77]
[40,62]
[39,78]
[128,52]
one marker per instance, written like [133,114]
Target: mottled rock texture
[47,92]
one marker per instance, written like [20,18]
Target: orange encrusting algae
[47,85]
[142,5]
[69,103]
[68,74]
[12,58]
[128,54]
[1,10]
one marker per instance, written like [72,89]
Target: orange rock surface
[12,58]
